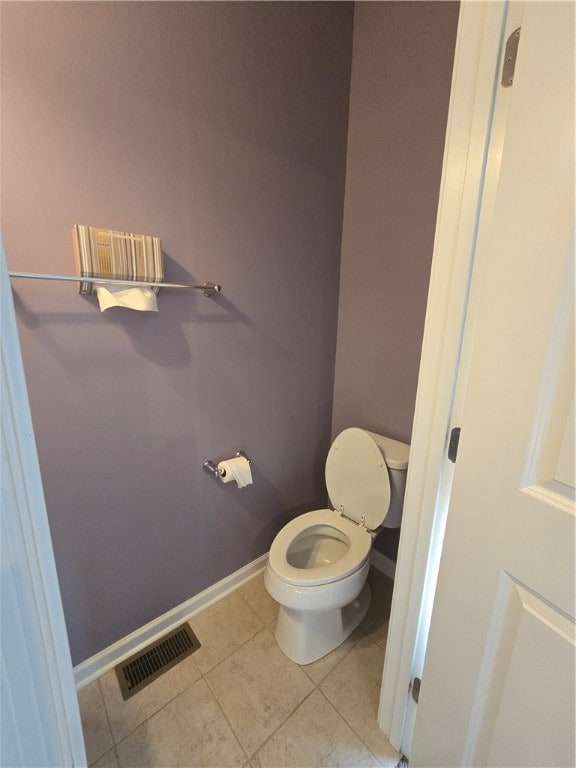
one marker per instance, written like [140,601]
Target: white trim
[89,670]
[43,728]
[383,564]
[480,31]
[554,494]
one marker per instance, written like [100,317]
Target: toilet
[318,563]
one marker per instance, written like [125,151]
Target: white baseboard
[89,670]
[383,564]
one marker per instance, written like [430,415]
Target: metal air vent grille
[147,665]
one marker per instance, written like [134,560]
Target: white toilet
[319,561]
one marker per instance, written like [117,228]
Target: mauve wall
[222,129]
[401,78]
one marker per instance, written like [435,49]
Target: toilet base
[306,636]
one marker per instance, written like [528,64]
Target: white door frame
[469,176]
[40,723]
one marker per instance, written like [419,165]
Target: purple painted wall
[401,77]
[221,128]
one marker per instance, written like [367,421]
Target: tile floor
[238,701]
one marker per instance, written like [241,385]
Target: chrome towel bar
[207,289]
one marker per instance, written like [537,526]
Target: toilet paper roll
[237,469]
[139,298]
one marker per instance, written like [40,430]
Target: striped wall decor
[118,255]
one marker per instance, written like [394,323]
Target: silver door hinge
[510,58]
[415,688]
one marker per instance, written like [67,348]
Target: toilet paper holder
[218,474]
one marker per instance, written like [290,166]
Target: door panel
[498,681]
[525,662]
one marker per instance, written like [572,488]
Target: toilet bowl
[319,561]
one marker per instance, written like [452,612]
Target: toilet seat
[357,477]
[359,544]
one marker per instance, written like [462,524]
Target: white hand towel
[139,298]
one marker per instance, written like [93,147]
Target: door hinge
[415,688]
[453,444]
[510,58]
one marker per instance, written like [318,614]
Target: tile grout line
[340,714]
[354,731]
[364,636]
[116,743]
[108,723]
[259,629]
[112,749]
[321,680]
[288,716]
[232,729]
[316,687]
[203,675]
[186,688]
[153,714]
[249,604]
[169,701]
[283,723]
[242,644]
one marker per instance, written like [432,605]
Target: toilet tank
[396,455]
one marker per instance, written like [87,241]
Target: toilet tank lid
[395,452]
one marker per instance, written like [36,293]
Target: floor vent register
[148,664]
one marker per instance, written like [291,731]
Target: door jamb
[478,51]
[30,580]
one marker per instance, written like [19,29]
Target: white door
[39,717]
[498,680]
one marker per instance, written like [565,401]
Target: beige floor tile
[353,687]
[189,731]
[375,623]
[109,760]
[223,628]
[256,595]
[97,736]
[379,633]
[318,670]
[315,735]
[125,716]
[254,708]
[258,687]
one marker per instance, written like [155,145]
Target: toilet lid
[357,478]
